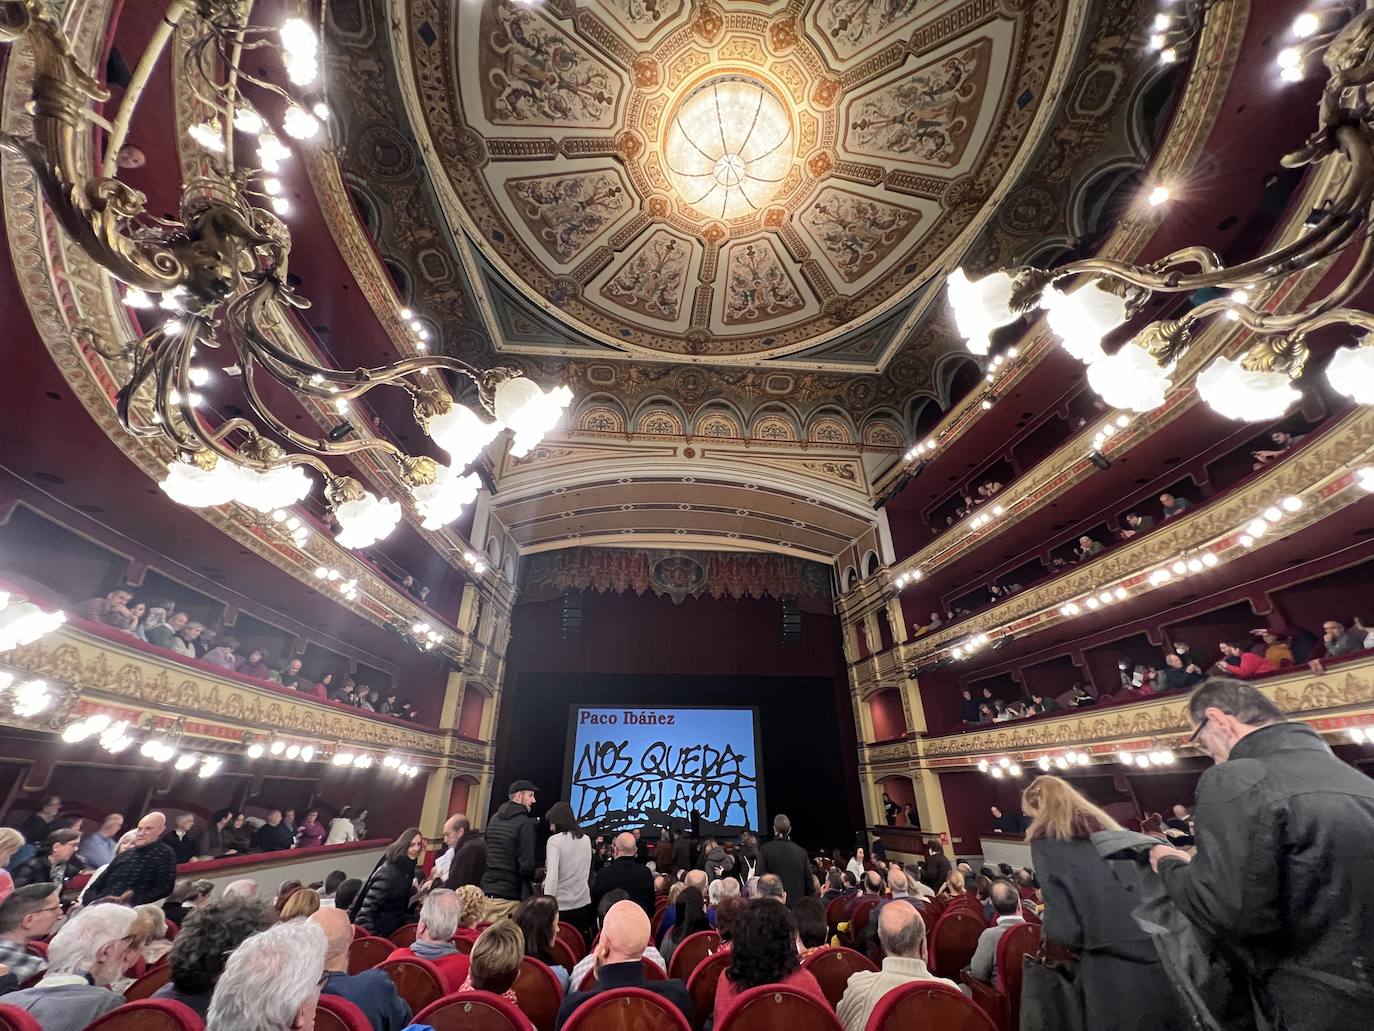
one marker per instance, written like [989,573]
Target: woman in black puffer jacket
[384,903]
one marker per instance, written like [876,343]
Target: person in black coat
[52,864]
[511,857]
[274,835]
[469,862]
[788,860]
[1088,910]
[682,851]
[627,873]
[384,903]
[935,870]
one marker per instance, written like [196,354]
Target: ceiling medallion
[729,146]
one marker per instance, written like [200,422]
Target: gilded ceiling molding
[1329,700]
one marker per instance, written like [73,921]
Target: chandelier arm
[152,53]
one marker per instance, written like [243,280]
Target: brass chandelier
[220,272]
[1259,385]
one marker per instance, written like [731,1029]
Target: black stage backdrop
[800,759]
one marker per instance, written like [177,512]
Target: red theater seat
[1021,941]
[953,940]
[404,936]
[564,955]
[366,952]
[418,981]
[150,1015]
[538,992]
[150,982]
[471,1011]
[691,951]
[627,1009]
[334,1013]
[835,912]
[651,973]
[13,1019]
[701,986]
[927,1006]
[831,967]
[775,1007]
[570,934]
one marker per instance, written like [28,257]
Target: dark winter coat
[789,861]
[1282,876]
[384,903]
[469,862]
[510,853]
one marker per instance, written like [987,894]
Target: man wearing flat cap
[510,851]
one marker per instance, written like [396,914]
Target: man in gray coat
[1282,875]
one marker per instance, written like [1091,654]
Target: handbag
[1051,994]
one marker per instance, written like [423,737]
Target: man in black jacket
[1282,874]
[788,860]
[625,871]
[147,872]
[510,852]
[274,835]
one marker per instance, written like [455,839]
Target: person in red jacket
[1238,661]
[434,938]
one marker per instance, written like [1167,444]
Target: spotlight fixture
[340,431]
[1099,459]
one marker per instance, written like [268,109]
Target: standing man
[788,860]
[147,872]
[624,871]
[510,851]
[1282,875]
[454,828]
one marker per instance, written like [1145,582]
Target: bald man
[145,873]
[371,991]
[619,950]
[625,872]
[903,935]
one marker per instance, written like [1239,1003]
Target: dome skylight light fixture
[729,146]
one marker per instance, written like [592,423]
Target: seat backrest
[927,1006]
[359,932]
[701,986]
[14,1019]
[1012,948]
[150,982]
[831,967]
[150,1015]
[366,952]
[538,993]
[627,1009]
[563,954]
[835,911]
[404,936]
[417,981]
[652,972]
[858,916]
[691,951]
[471,1011]
[771,1007]
[567,932]
[953,940]
[335,1013]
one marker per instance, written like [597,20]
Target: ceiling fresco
[527,172]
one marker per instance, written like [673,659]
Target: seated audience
[1278,652]
[29,914]
[11,841]
[695,879]
[1006,823]
[271,982]
[384,903]
[1081,699]
[253,666]
[537,918]
[727,916]
[187,896]
[1006,903]
[1340,641]
[434,938]
[812,929]
[98,848]
[1365,624]
[902,933]
[210,843]
[587,963]
[1087,548]
[52,863]
[764,952]
[274,835]
[151,929]
[1173,505]
[471,905]
[690,917]
[205,942]
[179,838]
[623,943]
[968,708]
[1176,676]
[371,991]
[311,832]
[112,610]
[834,887]
[1238,661]
[84,958]
[1136,524]
[167,634]
[222,654]
[341,828]
[1283,441]
[153,616]
[1042,704]
[347,893]
[495,961]
[147,871]
[1027,889]
[953,887]
[332,880]
[769,886]
[42,821]
[302,902]
[1179,827]
[292,677]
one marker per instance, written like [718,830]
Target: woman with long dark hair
[764,952]
[384,903]
[1088,910]
[537,918]
[690,918]
[567,868]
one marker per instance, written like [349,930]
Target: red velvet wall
[889,721]
[458,793]
[470,715]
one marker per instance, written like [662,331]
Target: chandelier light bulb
[1245,394]
[209,135]
[1130,379]
[23,622]
[1350,371]
[271,186]
[136,298]
[1162,22]
[528,412]
[980,306]
[1168,56]
[281,205]
[1289,57]
[75,733]
[366,521]
[271,152]
[1291,74]
[299,124]
[1305,24]
[198,376]
[247,120]
[460,432]
[321,110]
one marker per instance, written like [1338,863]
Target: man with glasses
[145,873]
[1282,876]
[29,914]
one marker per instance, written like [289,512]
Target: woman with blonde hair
[953,887]
[301,902]
[471,904]
[11,841]
[1088,908]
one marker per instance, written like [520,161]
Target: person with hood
[1281,877]
[510,851]
[1088,910]
[715,860]
[384,902]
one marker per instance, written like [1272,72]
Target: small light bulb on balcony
[1014,769]
[255,750]
[1126,758]
[1061,763]
[1158,196]
[1122,421]
[1004,762]
[1043,762]
[1257,528]
[1305,25]
[1273,513]
[1290,57]
[1194,566]
[1292,504]
[185,761]
[1084,758]
[293,751]
[279,516]
[1246,541]
[321,572]
[1208,559]
[982,766]
[281,205]
[1093,603]
[987,405]
[277,747]
[996,771]
[1357,735]
[997,510]
[1120,593]
[1105,597]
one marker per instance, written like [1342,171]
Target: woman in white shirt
[856,865]
[341,828]
[568,869]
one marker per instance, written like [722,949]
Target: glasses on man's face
[1196,731]
[50,909]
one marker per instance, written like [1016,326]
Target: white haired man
[434,938]
[271,982]
[84,957]
[245,888]
[903,935]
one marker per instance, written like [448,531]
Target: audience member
[347,894]
[188,896]
[51,864]
[147,872]
[1042,704]
[29,914]
[1277,650]
[692,879]
[834,887]
[812,929]
[1081,699]
[384,903]
[511,856]
[302,902]
[567,868]
[1136,524]
[112,610]
[727,916]
[271,981]
[238,835]
[1179,827]
[434,938]
[153,616]
[222,654]
[764,952]
[285,890]
[537,918]
[770,886]
[150,930]
[689,917]
[179,839]
[1283,441]
[1006,903]
[1173,504]
[787,859]
[1087,548]
[1281,876]
[253,666]
[209,842]
[954,885]
[1238,661]
[625,872]
[1178,676]
[247,888]
[42,821]
[11,841]
[311,832]
[274,835]
[341,828]
[1364,623]
[84,958]
[205,942]
[1340,641]
[856,864]
[623,943]
[98,848]
[587,963]
[332,880]
[454,829]
[902,933]
[1088,910]
[496,960]
[371,991]
[168,635]
[292,677]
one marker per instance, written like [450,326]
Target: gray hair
[440,914]
[1235,698]
[729,887]
[905,940]
[715,891]
[770,887]
[896,879]
[268,979]
[246,888]
[74,949]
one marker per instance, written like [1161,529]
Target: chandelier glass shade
[217,278]
[729,147]
[1258,384]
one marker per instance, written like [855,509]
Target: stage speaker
[572,616]
[791,621]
